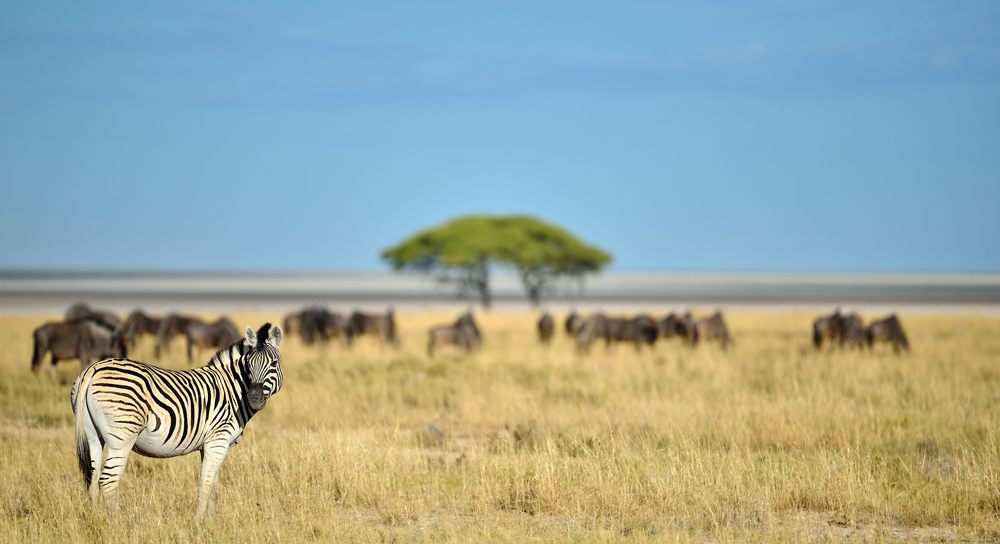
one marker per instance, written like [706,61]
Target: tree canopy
[463,250]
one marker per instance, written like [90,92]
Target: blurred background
[263,153]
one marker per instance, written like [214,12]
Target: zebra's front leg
[212,456]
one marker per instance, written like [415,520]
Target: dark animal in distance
[672,326]
[713,328]
[828,328]
[690,329]
[839,328]
[467,321]
[80,310]
[218,335]
[464,333]
[293,322]
[638,330]
[381,325]
[137,324]
[319,325]
[546,328]
[888,330]
[170,326]
[87,339]
[574,324]
[854,331]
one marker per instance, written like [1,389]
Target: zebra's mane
[225,355]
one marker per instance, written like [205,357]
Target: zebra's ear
[275,335]
[251,336]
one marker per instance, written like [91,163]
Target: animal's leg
[114,465]
[212,456]
[189,350]
[216,487]
[39,354]
[96,445]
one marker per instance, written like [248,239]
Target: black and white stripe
[131,406]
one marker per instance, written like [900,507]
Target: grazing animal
[574,324]
[80,310]
[293,322]
[689,329]
[713,328]
[828,328]
[466,320]
[320,324]
[843,329]
[888,330]
[137,324]
[170,326]
[638,330]
[131,406]
[671,326]
[592,329]
[546,328]
[382,325]
[87,338]
[217,335]
[463,333]
[854,331]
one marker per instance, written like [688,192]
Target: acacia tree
[462,251]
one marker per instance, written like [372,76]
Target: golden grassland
[770,441]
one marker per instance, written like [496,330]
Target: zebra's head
[262,364]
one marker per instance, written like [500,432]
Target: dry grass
[771,441]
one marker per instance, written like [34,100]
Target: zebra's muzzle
[256,398]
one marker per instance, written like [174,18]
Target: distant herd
[90,334]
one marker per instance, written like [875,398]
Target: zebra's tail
[81,413]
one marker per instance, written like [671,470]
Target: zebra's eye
[274,363]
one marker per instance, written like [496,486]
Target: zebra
[132,406]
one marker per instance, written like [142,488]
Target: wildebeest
[293,322]
[828,328]
[574,324]
[840,328]
[713,328]
[137,324]
[671,326]
[88,339]
[382,325]
[638,330]
[466,320]
[171,326]
[80,310]
[854,331]
[320,324]
[463,333]
[220,334]
[546,328]
[888,330]
[688,327]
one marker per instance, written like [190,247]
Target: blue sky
[690,136]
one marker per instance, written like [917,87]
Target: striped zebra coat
[131,406]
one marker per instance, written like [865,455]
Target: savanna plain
[770,441]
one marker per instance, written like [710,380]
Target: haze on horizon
[818,136]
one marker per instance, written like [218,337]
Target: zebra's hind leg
[212,455]
[96,446]
[114,464]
